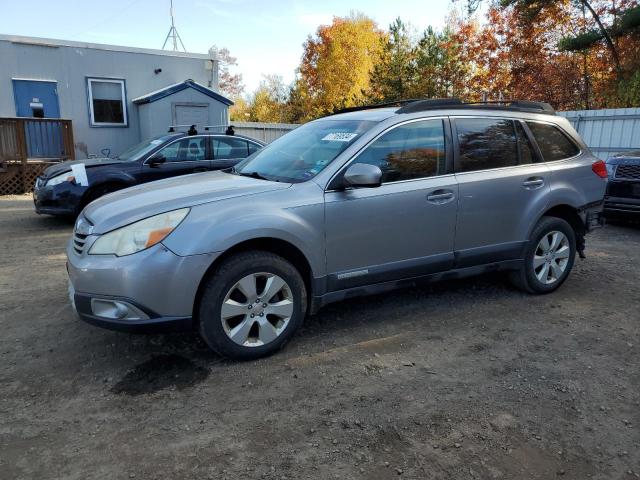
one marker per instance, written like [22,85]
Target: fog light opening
[116,310]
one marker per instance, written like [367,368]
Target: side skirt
[317,302]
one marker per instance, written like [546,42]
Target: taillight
[599,168]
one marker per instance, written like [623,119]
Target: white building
[115,96]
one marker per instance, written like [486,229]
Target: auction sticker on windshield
[340,136]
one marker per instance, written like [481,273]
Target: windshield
[304,152]
[138,151]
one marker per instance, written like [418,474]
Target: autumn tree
[230,83]
[573,53]
[268,101]
[336,64]
[239,111]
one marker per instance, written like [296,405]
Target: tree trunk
[605,34]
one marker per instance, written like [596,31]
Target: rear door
[227,151]
[181,157]
[406,226]
[503,186]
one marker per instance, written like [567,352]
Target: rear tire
[549,257]
[251,305]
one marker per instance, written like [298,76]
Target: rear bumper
[593,215]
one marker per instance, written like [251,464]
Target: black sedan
[623,189]
[66,188]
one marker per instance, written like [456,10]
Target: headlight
[611,169]
[57,180]
[138,236]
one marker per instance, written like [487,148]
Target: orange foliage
[514,58]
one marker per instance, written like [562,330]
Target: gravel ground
[467,379]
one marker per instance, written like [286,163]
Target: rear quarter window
[554,145]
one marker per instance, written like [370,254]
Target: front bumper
[156,282]
[621,206]
[63,199]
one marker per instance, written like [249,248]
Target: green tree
[438,65]
[394,75]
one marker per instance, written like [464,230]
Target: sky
[266,36]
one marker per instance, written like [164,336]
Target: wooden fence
[28,146]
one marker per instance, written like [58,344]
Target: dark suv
[66,188]
[623,190]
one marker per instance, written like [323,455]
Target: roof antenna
[173,34]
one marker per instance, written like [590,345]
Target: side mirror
[363,175]
[156,160]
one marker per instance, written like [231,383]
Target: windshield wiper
[253,175]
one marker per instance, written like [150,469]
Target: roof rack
[397,103]
[511,105]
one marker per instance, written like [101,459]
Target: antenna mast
[173,34]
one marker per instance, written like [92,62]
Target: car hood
[624,160]
[132,204]
[60,168]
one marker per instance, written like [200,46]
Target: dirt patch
[159,373]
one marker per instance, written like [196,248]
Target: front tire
[549,257]
[95,193]
[251,305]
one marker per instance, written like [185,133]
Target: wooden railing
[31,140]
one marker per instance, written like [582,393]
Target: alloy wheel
[551,257]
[257,309]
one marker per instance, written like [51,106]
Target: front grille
[81,231]
[78,242]
[628,172]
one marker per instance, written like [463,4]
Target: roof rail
[512,105]
[397,103]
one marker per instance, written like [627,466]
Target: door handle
[534,182]
[440,196]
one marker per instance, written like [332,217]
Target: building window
[107,102]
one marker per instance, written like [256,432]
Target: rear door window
[413,150]
[554,145]
[188,149]
[229,148]
[485,143]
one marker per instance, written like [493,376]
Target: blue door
[36,99]
[39,99]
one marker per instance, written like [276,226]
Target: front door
[503,185]
[406,226]
[184,156]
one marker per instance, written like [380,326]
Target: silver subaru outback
[351,204]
